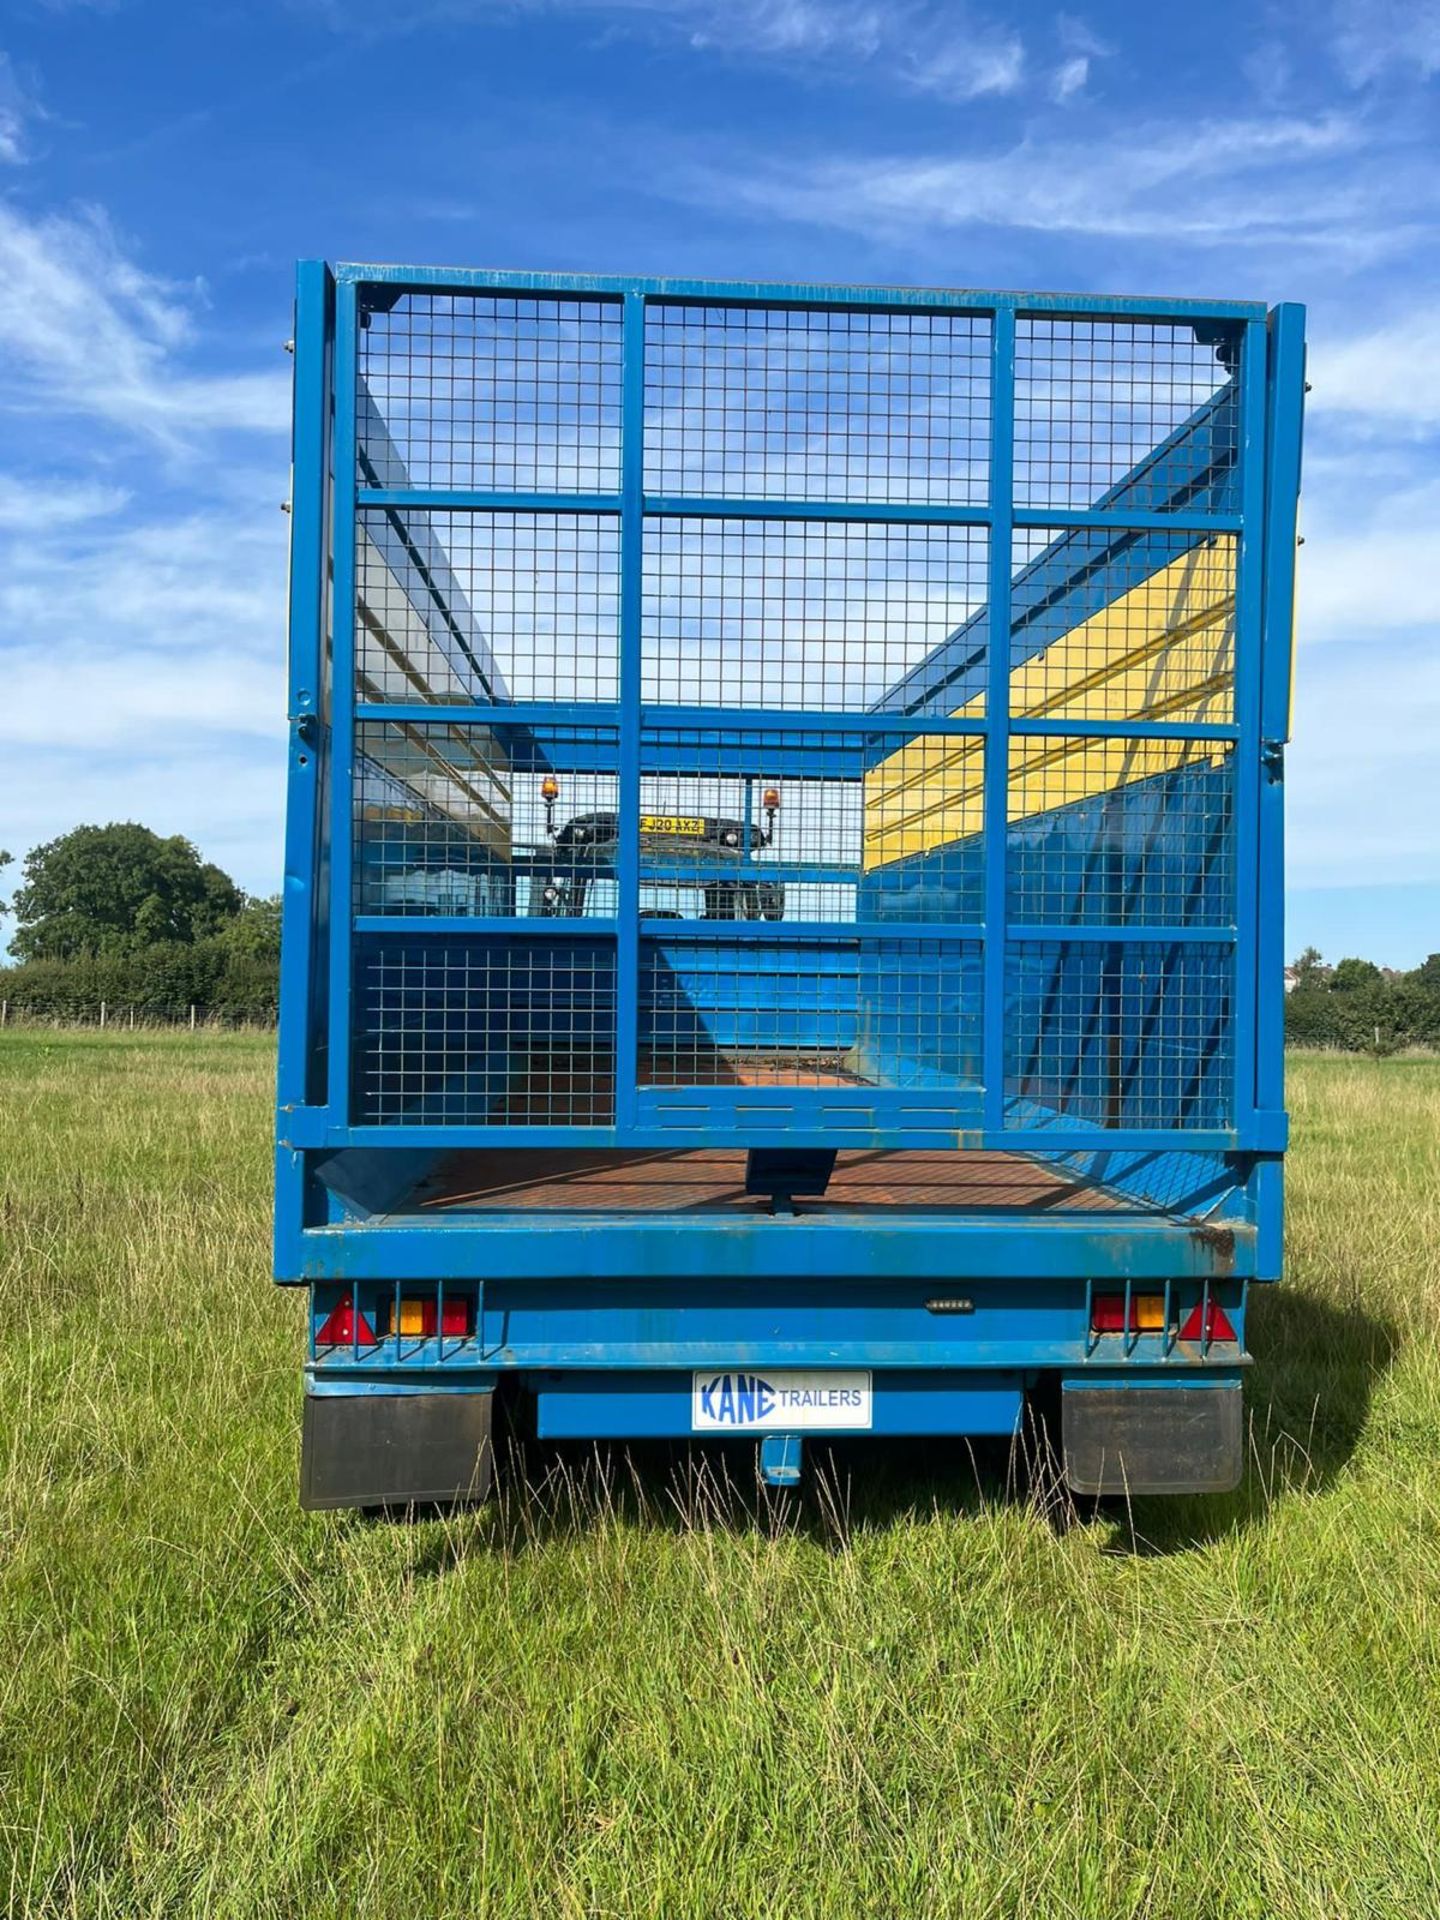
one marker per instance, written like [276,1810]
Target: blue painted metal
[893,1322]
[632,559]
[997,711]
[1286,388]
[619,1406]
[983,997]
[809,1118]
[786,294]
[1249,615]
[780,1459]
[342,704]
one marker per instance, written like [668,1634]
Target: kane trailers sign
[729,1401]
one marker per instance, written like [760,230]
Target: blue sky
[162,166]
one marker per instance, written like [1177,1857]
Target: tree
[1309,968]
[1351,975]
[254,933]
[116,890]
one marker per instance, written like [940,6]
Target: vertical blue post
[296,1083]
[1249,615]
[997,708]
[309,570]
[632,585]
[342,705]
[1283,450]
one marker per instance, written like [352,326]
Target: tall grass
[635,1685]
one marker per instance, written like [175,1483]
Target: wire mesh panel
[762,613]
[857,1014]
[1146,409]
[487,606]
[499,820]
[804,403]
[488,390]
[1128,626]
[474,1033]
[1132,832]
[871,826]
[1119,1034]
[770,741]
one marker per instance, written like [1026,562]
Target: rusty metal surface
[607,1179]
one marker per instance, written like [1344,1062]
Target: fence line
[108,1015]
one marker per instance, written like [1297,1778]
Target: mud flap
[1123,1440]
[395,1449]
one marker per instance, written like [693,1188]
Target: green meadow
[633,1684]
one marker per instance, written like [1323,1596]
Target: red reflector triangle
[340,1329]
[1218,1328]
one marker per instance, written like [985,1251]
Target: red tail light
[342,1329]
[1147,1313]
[417,1316]
[1215,1325]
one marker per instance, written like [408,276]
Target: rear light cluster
[420,1314]
[1147,1315]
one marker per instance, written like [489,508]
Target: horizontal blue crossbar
[690,1248]
[485,500]
[314,1127]
[689,292]
[536,926]
[749,507]
[753,722]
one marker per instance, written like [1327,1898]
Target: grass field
[632,1691]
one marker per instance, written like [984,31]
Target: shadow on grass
[1307,1401]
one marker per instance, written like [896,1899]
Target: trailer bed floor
[708,1180]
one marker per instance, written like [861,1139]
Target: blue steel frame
[339,1233]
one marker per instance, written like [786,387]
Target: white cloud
[941,47]
[208,586]
[1363,779]
[968,66]
[227,796]
[143,657]
[38,503]
[144,677]
[1070,77]
[73,700]
[1370,565]
[762,26]
[1390,375]
[1371,39]
[19,109]
[84,330]
[1080,48]
[1219,182]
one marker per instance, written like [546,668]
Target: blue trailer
[782,916]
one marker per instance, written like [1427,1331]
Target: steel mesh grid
[454,820]
[487,606]
[1095,399]
[868,1012]
[785,613]
[1120,831]
[504,392]
[502,1032]
[1119,1034]
[1123,626]
[874,827]
[813,404]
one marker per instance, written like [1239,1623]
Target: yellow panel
[1164,650]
